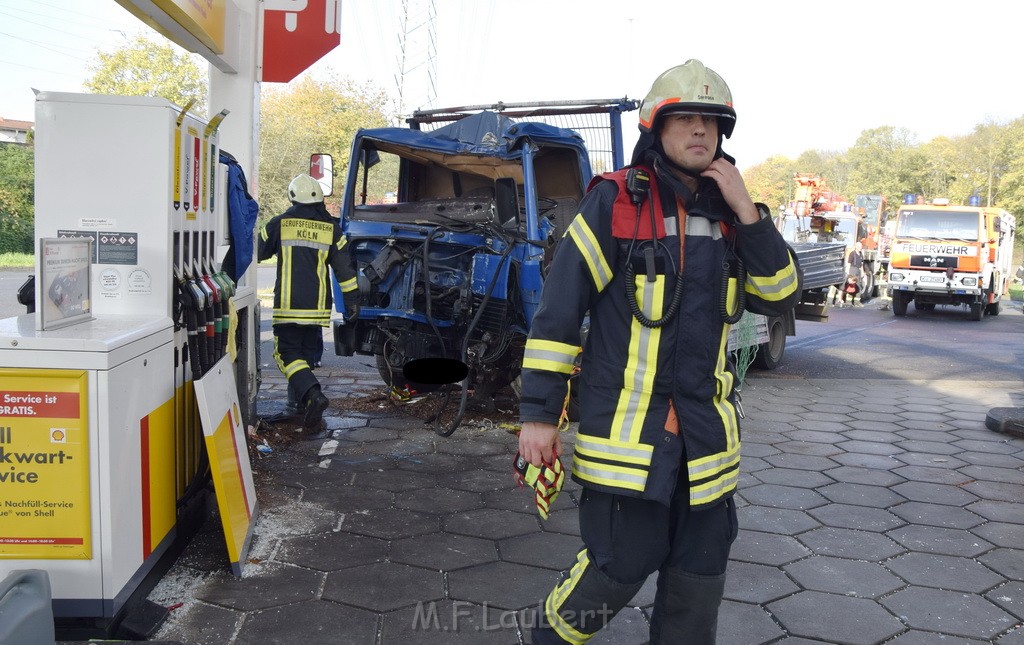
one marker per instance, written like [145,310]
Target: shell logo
[58,435]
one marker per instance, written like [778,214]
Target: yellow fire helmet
[305,190]
[689,87]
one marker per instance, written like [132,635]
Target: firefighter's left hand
[730,182]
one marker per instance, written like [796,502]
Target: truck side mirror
[321,168]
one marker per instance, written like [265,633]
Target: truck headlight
[895,277]
[969,282]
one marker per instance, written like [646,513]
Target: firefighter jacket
[307,240]
[652,399]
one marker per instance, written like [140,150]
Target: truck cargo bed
[822,264]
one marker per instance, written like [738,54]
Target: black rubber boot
[316,403]
[686,609]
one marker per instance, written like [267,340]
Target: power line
[38,44]
[38,69]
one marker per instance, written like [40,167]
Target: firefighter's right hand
[539,443]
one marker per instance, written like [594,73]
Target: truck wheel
[977,309]
[770,354]
[389,375]
[993,308]
[869,291]
[900,301]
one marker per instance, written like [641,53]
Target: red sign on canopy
[296,34]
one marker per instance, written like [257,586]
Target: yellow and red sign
[44,465]
[217,397]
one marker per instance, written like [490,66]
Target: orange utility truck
[951,255]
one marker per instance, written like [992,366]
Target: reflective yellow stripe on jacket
[622,461]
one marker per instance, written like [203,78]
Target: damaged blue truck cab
[452,230]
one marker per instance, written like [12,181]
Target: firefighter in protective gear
[307,241]
[664,255]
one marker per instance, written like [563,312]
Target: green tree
[1011,187]
[311,116]
[17,214]
[771,182]
[146,68]
[887,161]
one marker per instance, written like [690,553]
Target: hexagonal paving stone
[201,623]
[862,460]
[315,621]
[937,515]
[1001,533]
[756,583]
[934,493]
[362,434]
[1009,563]
[950,612]
[766,548]
[801,462]
[473,448]
[844,577]
[920,637]
[831,618]
[384,586]
[933,475]
[272,585]
[448,621]
[502,584]
[443,551]
[567,522]
[390,523]
[349,499]
[791,477]
[871,448]
[394,480]
[332,551]
[809,448]
[398,448]
[550,550]
[1010,597]
[775,520]
[849,543]
[434,463]
[475,480]
[997,511]
[856,517]
[438,500]
[929,459]
[775,496]
[862,475]
[860,495]
[512,498]
[944,572]
[742,624]
[992,474]
[934,539]
[491,523]
[996,491]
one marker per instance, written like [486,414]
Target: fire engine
[951,255]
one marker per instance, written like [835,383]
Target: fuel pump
[123,409]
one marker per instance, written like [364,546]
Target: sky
[804,76]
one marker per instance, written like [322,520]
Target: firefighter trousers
[625,540]
[295,350]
